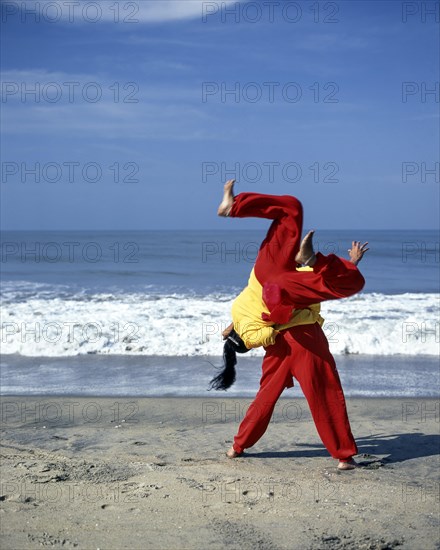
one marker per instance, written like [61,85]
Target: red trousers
[301,351]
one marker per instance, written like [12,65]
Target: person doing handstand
[279,310]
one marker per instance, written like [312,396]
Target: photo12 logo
[68,172]
[68,11]
[249,12]
[49,490]
[271,172]
[219,411]
[269,92]
[420,411]
[68,251]
[421,332]
[249,491]
[67,412]
[420,12]
[68,92]
[423,92]
[420,172]
[421,251]
[53,332]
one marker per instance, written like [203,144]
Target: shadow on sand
[395,447]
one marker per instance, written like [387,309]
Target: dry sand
[114,473]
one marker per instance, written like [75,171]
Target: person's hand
[227,331]
[357,251]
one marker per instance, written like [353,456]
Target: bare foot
[357,251]
[351,465]
[306,255]
[228,199]
[227,331]
[232,453]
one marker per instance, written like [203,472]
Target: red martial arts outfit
[301,351]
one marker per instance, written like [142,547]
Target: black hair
[233,345]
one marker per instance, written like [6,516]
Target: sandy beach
[114,473]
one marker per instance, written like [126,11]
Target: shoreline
[183,376]
[151,473]
[200,397]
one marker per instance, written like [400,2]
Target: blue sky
[131,125]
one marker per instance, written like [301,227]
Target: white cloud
[159,112]
[168,10]
[324,42]
[122,11]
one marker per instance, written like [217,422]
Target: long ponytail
[233,345]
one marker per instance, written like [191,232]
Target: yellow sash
[248,307]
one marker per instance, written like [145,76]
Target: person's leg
[276,376]
[282,242]
[279,248]
[314,368]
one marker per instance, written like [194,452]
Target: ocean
[82,310]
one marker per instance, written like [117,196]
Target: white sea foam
[57,324]
[42,323]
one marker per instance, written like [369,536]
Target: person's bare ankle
[232,453]
[228,199]
[306,255]
[349,465]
